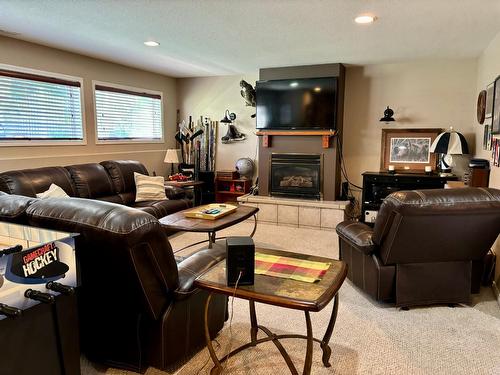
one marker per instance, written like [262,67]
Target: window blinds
[34,107]
[127,115]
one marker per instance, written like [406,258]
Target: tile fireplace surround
[323,215]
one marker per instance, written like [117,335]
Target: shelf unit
[227,190]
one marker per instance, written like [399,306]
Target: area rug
[369,338]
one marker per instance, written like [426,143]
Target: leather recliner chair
[137,307]
[426,247]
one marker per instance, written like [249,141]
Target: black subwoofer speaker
[240,257]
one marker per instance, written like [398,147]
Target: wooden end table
[286,293]
[179,222]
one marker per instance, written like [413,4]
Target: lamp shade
[450,142]
[173,156]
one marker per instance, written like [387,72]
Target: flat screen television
[307,103]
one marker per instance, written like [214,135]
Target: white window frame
[51,142]
[133,89]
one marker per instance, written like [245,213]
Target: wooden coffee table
[286,293]
[179,222]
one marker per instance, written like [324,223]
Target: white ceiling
[222,37]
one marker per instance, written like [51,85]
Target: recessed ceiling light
[317,89]
[151,43]
[364,19]
[294,84]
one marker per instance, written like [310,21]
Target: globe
[245,168]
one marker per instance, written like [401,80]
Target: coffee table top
[178,221]
[279,291]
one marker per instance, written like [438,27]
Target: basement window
[39,108]
[125,114]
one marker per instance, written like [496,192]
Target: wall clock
[481,106]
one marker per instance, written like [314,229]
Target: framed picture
[495,124]
[490,90]
[487,137]
[408,150]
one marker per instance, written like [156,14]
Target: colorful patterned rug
[289,268]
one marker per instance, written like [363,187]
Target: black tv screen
[308,103]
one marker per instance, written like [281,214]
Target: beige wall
[488,70]
[427,94]
[24,54]
[211,96]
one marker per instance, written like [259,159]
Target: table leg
[211,239]
[254,225]
[327,351]
[253,321]
[217,369]
[309,350]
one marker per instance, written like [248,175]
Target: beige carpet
[369,338]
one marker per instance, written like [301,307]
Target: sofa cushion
[29,182]
[54,191]
[13,207]
[91,180]
[163,207]
[121,173]
[149,187]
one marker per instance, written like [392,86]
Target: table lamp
[449,143]
[173,156]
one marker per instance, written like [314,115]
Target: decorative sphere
[245,167]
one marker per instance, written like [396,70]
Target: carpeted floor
[369,338]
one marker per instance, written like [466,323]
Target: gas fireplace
[296,175]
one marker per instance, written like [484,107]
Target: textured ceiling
[210,37]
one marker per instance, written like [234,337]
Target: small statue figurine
[248,93]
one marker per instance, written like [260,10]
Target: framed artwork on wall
[487,137]
[490,90]
[408,150]
[495,124]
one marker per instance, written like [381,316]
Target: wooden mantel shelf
[324,134]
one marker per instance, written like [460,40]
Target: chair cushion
[91,180]
[149,188]
[13,207]
[122,173]
[359,234]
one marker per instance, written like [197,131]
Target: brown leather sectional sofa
[111,181]
[427,246]
[137,307]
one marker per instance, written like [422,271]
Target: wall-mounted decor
[388,116]
[487,137]
[248,93]
[408,150]
[495,151]
[490,90]
[232,135]
[481,106]
[495,124]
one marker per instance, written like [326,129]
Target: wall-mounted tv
[306,103]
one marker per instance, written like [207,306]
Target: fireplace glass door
[296,175]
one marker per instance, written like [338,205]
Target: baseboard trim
[496,292]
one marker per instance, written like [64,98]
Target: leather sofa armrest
[173,192]
[357,234]
[194,265]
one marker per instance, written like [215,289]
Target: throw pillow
[54,191]
[149,188]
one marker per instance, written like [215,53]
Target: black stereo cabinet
[378,185]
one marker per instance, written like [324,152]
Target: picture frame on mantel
[408,150]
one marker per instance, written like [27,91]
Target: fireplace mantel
[324,134]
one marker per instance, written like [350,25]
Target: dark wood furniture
[281,292]
[227,190]
[179,222]
[378,185]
